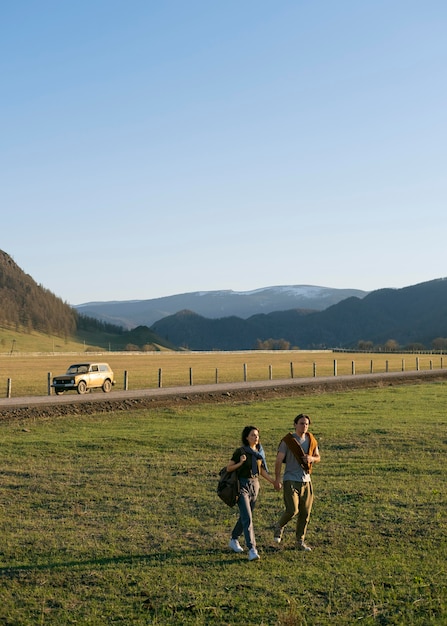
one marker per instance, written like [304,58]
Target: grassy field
[113,519]
[14,342]
[29,372]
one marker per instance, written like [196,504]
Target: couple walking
[298,451]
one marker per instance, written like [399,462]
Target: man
[299,451]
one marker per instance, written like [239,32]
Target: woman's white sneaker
[253,554]
[235,545]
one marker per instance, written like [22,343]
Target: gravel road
[99,402]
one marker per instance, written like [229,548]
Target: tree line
[27,306]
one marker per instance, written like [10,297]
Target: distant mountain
[218,304]
[408,316]
[300,316]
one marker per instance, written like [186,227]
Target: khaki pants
[298,500]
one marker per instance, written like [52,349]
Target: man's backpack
[228,487]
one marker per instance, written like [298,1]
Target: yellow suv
[83,377]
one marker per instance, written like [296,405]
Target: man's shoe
[235,545]
[302,546]
[253,555]
[277,535]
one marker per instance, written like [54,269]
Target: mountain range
[218,304]
[300,316]
[412,318]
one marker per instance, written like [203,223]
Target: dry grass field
[28,373]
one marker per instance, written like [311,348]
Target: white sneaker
[253,554]
[235,545]
[277,535]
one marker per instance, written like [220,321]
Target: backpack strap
[297,451]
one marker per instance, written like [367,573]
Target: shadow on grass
[189,558]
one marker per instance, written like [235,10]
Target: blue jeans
[246,503]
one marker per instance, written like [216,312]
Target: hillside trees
[391,345]
[27,306]
[366,346]
[440,343]
[272,344]
[91,324]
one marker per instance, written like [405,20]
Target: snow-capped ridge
[218,304]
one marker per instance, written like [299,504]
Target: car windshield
[78,369]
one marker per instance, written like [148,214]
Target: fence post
[291,369]
[371,367]
[335,367]
[314,369]
[190,376]
[49,383]
[403,365]
[417,364]
[217,375]
[8,388]
[386,366]
[270,372]
[160,377]
[431,364]
[353,368]
[126,381]
[441,363]
[245,372]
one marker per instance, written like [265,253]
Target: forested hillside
[27,306]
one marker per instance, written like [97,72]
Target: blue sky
[150,148]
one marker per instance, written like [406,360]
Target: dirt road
[98,402]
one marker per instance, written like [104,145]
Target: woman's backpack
[228,487]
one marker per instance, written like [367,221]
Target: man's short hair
[298,417]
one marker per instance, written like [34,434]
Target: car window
[77,369]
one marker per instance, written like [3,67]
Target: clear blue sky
[156,147]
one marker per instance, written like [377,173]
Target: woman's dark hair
[298,417]
[247,430]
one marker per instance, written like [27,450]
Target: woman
[249,462]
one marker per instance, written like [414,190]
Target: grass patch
[15,342]
[113,519]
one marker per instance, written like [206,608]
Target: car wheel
[82,387]
[107,386]
[58,392]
